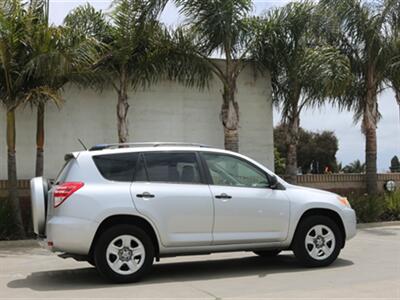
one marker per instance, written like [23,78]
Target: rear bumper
[71,235]
[349,222]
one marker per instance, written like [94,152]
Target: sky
[351,141]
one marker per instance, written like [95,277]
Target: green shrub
[7,223]
[368,208]
[392,203]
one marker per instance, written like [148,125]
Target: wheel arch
[333,215]
[126,219]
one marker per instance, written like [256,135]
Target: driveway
[369,267]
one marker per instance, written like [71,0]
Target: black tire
[299,247]
[268,253]
[107,237]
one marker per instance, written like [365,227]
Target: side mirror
[273,182]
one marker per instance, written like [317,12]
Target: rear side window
[174,167]
[117,167]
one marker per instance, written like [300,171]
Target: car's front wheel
[124,253]
[317,241]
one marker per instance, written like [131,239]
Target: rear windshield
[117,167]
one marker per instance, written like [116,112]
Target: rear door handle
[223,196]
[145,195]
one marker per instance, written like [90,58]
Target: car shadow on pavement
[88,278]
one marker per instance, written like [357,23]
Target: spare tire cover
[39,188]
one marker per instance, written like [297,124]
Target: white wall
[167,111]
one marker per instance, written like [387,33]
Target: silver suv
[121,207]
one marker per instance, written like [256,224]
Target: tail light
[65,190]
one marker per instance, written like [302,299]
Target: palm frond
[220,25]
[305,70]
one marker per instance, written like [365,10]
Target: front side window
[173,167]
[232,171]
[117,167]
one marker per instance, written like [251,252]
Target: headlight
[344,201]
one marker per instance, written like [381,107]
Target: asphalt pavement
[367,268]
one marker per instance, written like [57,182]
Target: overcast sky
[351,141]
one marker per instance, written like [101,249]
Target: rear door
[169,188]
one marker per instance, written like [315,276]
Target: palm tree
[140,51]
[355,167]
[58,57]
[131,37]
[17,84]
[304,69]
[393,76]
[221,27]
[362,32]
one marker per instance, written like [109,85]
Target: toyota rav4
[120,207]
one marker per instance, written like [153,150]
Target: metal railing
[145,144]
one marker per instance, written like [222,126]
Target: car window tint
[178,167]
[232,171]
[117,167]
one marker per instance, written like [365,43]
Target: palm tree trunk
[39,140]
[397,91]
[291,145]
[122,109]
[12,174]
[370,120]
[370,161]
[230,119]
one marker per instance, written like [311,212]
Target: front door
[246,209]
[170,190]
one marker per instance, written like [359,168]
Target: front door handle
[145,195]
[223,196]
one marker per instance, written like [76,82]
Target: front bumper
[71,235]
[349,222]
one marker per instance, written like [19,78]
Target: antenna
[83,145]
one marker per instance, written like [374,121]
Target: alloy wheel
[125,254]
[320,242]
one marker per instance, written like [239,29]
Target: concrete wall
[167,111]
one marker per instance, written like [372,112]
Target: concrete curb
[19,244]
[377,224]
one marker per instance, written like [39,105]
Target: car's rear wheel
[124,253]
[317,241]
[268,253]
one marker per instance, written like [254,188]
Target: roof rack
[145,144]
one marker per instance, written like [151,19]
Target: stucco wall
[167,111]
